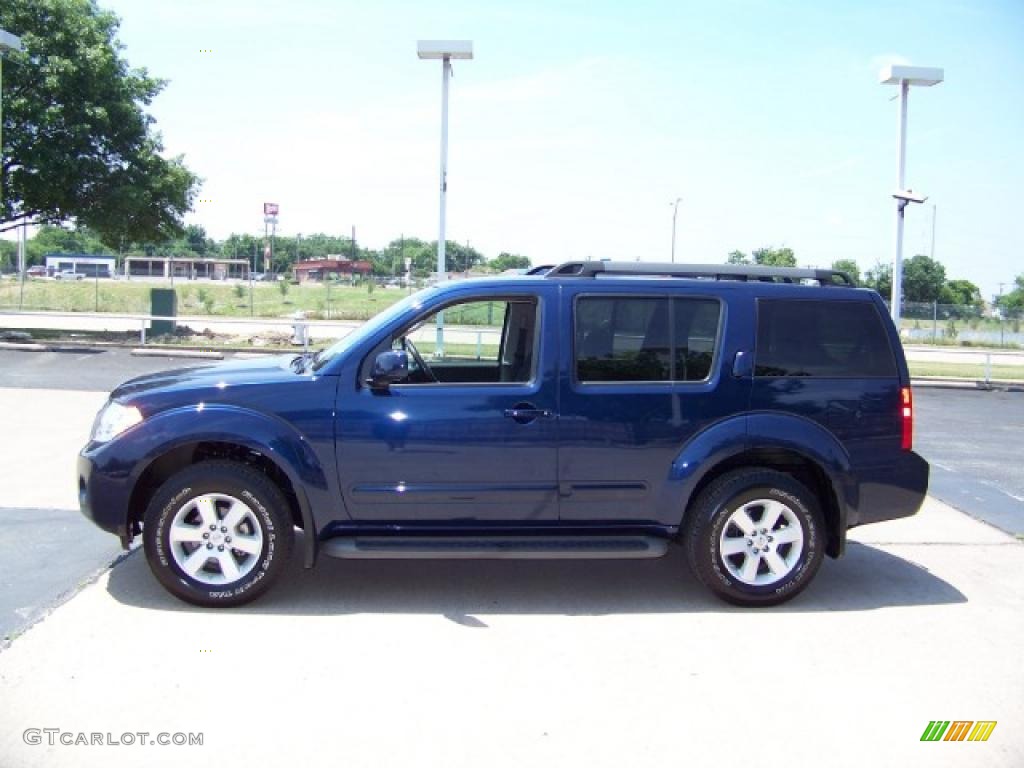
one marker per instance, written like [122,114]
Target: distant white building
[80,263]
[186,267]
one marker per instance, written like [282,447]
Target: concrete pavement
[47,549]
[523,663]
[533,663]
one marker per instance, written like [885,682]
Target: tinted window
[644,338]
[622,339]
[695,323]
[821,338]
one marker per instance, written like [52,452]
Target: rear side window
[644,338]
[838,339]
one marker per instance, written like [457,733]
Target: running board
[495,547]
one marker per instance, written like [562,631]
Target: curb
[24,346]
[190,353]
[101,346]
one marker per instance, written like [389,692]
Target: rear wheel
[218,534]
[755,537]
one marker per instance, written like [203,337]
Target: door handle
[524,413]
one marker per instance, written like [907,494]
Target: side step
[495,547]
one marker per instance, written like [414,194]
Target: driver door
[471,435]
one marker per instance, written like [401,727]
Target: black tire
[269,525]
[713,511]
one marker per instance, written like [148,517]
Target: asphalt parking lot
[509,663]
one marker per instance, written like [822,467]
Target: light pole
[904,77]
[445,50]
[675,211]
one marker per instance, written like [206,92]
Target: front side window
[808,338]
[644,338]
[481,341]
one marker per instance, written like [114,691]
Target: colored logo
[958,730]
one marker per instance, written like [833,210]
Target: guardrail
[984,357]
[300,325]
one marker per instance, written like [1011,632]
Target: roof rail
[741,272]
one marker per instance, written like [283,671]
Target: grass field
[319,301]
[967,370]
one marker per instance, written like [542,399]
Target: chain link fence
[328,300]
[959,325]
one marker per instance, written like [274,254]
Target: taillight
[906,418]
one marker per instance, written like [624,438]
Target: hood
[221,376]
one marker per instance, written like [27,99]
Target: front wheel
[755,537]
[218,533]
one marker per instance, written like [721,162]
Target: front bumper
[103,497]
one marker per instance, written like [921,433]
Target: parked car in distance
[598,410]
[69,274]
[36,271]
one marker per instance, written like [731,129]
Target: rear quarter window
[827,339]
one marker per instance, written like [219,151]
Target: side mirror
[389,367]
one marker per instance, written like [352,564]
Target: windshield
[371,327]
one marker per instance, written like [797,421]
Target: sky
[577,124]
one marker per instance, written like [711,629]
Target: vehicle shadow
[866,578]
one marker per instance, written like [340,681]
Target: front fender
[123,461]
[273,437]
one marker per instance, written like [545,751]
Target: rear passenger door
[642,371]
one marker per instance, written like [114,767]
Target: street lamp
[675,210]
[904,77]
[445,50]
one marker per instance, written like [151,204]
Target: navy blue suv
[602,410]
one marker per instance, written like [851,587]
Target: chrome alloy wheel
[761,542]
[216,539]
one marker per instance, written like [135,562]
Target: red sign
[270,209]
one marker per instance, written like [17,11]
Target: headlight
[112,420]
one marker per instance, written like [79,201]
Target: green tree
[850,267]
[78,144]
[8,256]
[737,257]
[461,258]
[923,278]
[774,257]
[879,277]
[391,260]
[197,241]
[1012,304]
[963,293]
[51,239]
[507,260]
[243,246]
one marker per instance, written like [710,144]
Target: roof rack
[741,272]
